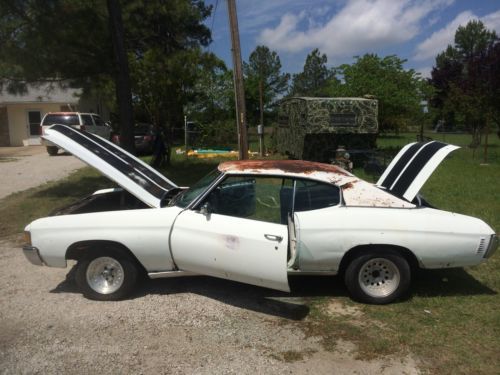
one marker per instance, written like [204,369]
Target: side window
[313,195]
[98,120]
[87,120]
[252,197]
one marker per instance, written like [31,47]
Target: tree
[464,78]
[400,92]
[315,77]
[122,75]
[264,81]
[65,41]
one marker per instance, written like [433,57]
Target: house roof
[42,93]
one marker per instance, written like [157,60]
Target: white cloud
[492,21]
[440,39]
[425,71]
[361,25]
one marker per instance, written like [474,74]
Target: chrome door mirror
[205,209]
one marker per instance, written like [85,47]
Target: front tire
[52,150]
[378,277]
[106,275]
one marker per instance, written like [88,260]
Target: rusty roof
[286,166]
[357,192]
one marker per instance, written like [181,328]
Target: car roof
[298,168]
[356,192]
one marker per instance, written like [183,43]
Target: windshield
[186,197]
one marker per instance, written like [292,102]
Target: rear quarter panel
[437,238]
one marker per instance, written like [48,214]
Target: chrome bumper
[31,253]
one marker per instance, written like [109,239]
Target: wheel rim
[379,277]
[105,275]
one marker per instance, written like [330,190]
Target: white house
[20,115]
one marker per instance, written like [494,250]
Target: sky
[415,30]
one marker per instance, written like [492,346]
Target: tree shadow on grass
[448,283]
[78,188]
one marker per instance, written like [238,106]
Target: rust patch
[289,166]
[349,185]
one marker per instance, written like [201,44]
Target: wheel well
[79,249]
[359,250]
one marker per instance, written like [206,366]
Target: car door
[236,233]
[101,128]
[88,123]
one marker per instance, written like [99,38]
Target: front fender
[144,232]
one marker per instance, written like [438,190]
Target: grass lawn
[451,322]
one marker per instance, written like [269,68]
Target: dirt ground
[22,168]
[187,325]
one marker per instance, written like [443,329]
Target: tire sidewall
[52,150]
[351,277]
[129,275]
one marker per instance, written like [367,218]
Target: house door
[34,120]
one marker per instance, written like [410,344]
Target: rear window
[61,119]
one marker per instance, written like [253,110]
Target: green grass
[451,322]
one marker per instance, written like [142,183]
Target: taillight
[40,131]
[148,138]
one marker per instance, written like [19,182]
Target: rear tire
[378,277]
[107,275]
[52,150]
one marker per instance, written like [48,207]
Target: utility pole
[239,92]
[261,107]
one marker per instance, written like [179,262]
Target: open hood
[125,169]
[412,166]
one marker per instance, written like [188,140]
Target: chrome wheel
[105,275]
[379,277]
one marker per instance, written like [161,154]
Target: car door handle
[273,237]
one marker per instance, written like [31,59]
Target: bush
[218,134]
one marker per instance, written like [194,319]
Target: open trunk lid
[412,166]
[131,173]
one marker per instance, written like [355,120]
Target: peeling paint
[232,242]
[356,192]
[286,166]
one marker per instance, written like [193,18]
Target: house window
[34,119]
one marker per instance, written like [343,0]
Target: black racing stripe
[416,166]
[118,152]
[400,164]
[126,169]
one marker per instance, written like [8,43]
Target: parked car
[255,222]
[144,138]
[89,122]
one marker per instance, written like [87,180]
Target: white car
[256,222]
[90,122]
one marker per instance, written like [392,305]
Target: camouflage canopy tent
[312,128]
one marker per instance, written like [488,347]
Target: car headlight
[27,237]
[492,246]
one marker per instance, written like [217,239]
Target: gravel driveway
[22,168]
[187,325]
